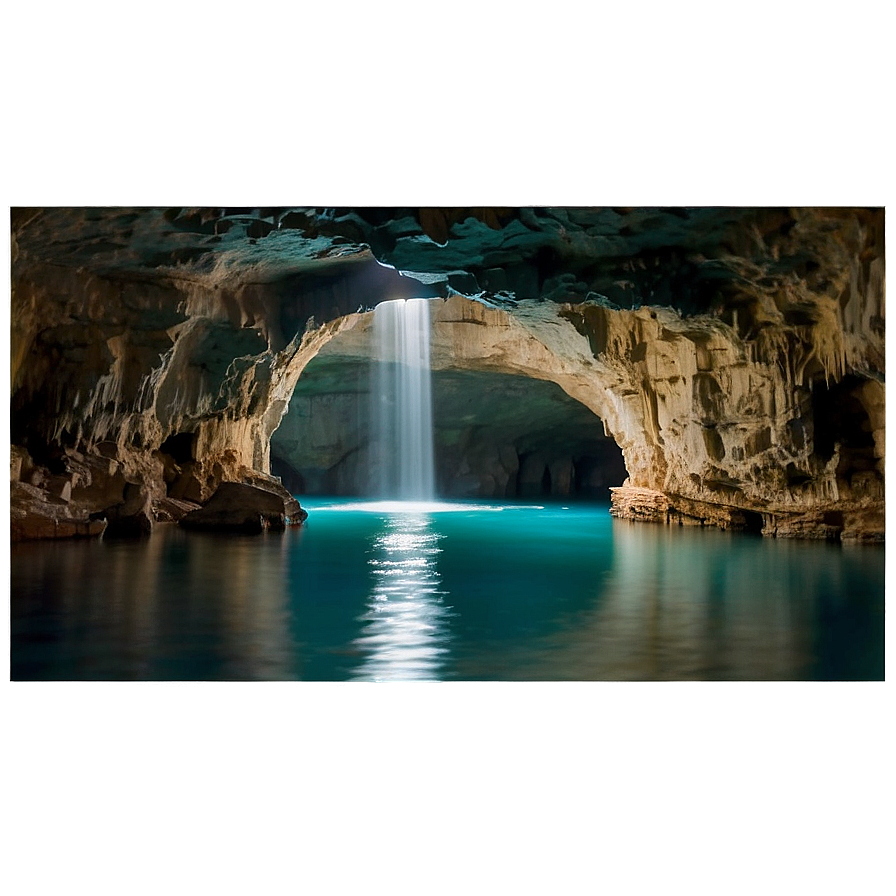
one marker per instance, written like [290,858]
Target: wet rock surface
[133,517]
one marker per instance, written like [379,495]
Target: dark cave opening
[179,447]
[842,421]
[496,435]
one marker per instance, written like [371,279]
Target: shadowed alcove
[495,434]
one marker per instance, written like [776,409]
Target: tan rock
[20,464]
[643,504]
[35,514]
[250,509]
[133,517]
[170,510]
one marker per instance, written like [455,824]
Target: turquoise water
[464,591]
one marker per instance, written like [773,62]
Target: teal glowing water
[464,591]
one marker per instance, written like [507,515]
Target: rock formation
[241,507]
[735,356]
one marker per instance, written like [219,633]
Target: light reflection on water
[405,626]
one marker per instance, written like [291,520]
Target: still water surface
[464,591]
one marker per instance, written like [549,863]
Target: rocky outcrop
[735,356]
[249,509]
[34,513]
[60,499]
[133,517]
[847,521]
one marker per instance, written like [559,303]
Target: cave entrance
[496,435]
[179,447]
[842,423]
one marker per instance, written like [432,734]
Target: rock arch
[475,349]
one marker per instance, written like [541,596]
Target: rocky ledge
[82,495]
[851,522]
[36,514]
[250,509]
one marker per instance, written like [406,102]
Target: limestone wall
[768,399]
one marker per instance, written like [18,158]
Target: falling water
[402,401]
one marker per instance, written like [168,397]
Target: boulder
[59,487]
[133,517]
[241,507]
[294,513]
[643,504]
[97,481]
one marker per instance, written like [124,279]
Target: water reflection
[177,606]
[405,626]
[535,594]
[681,604]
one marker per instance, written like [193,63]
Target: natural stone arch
[469,337]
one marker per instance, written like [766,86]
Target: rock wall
[169,388]
[736,357]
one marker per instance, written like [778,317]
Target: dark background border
[465,789]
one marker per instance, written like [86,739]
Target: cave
[658,434]
[495,435]
[199,334]
[843,425]
[753,522]
[447,443]
[179,446]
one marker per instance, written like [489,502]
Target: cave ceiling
[693,259]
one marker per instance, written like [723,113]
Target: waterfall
[402,401]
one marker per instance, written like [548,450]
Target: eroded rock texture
[735,356]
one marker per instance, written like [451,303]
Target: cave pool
[464,591]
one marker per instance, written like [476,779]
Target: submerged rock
[240,507]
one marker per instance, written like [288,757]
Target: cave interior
[721,366]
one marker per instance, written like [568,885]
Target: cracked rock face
[735,356]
